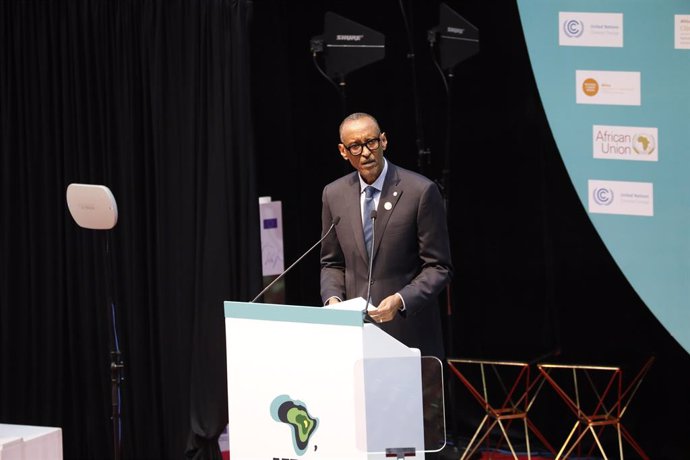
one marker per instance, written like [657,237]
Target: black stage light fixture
[458,38]
[347,45]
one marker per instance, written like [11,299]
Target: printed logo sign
[607,87]
[619,197]
[294,413]
[271,214]
[682,31]
[590,29]
[625,143]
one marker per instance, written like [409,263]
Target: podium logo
[294,413]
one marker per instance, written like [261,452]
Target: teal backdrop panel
[614,80]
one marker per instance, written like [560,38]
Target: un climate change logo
[603,196]
[294,413]
[573,28]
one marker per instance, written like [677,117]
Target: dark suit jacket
[411,252]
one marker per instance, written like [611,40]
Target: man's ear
[384,141]
[343,151]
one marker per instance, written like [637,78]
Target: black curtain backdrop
[191,109]
[149,98]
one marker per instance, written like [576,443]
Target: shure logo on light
[349,38]
[456,30]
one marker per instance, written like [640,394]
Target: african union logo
[294,413]
[603,196]
[573,28]
[643,143]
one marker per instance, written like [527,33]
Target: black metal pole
[116,368]
[423,152]
[116,364]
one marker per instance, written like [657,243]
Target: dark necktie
[368,224]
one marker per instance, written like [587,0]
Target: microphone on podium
[333,224]
[371,266]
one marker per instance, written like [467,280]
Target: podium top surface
[345,314]
[26,432]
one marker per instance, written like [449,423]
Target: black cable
[440,70]
[445,178]
[322,72]
[423,153]
[444,182]
[340,88]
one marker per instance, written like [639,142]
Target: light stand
[94,207]
[423,151]
[458,40]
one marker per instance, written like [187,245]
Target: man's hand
[387,309]
[332,300]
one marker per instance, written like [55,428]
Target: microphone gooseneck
[335,222]
[371,262]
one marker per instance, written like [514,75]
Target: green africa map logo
[294,413]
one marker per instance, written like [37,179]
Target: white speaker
[92,206]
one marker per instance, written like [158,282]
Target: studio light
[93,207]
[348,45]
[345,46]
[458,39]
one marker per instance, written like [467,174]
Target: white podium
[318,383]
[26,442]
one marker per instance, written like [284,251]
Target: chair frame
[612,401]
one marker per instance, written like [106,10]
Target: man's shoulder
[343,181]
[410,177]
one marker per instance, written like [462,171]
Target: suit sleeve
[332,260]
[436,268]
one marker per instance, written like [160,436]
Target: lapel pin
[395,193]
[387,205]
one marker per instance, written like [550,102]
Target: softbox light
[458,38]
[92,206]
[347,45]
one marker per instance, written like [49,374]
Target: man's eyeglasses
[357,148]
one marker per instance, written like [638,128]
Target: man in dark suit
[411,263]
